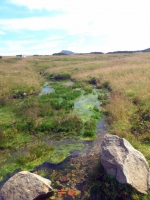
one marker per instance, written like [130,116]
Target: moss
[63,152]
[58,157]
[27,159]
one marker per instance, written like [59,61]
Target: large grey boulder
[25,185]
[127,164]
[2,197]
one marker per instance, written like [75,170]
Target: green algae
[37,154]
[63,151]
[27,159]
[86,106]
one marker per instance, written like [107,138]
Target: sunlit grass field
[126,78]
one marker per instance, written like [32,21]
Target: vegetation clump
[104,186]
[59,77]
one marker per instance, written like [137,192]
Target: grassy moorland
[24,117]
[27,118]
[127,77]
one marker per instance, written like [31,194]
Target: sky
[45,27]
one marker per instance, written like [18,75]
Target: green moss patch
[27,159]
[63,152]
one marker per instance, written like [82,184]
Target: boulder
[2,197]
[149,180]
[128,165]
[25,185]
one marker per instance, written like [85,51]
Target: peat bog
[55,110]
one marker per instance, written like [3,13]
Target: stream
[72,174]
[69,177]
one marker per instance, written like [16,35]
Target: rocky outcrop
[25,185]
[127,164]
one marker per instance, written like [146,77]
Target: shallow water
[84,105]
[69,83]
[73,172]
[46,89]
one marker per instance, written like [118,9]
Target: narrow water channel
[73,172]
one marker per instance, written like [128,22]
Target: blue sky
[48,26]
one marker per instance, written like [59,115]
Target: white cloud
[29,47]
[92,17]
[78,5]
[2,33]
[53,38]
[123,23]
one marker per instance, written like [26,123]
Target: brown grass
[127,74]
[17,75]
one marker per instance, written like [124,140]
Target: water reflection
[46,89]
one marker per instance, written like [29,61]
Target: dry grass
[17,75]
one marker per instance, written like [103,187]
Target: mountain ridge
[67,52]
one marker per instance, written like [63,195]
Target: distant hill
[64,52]
[67,52]
[96,52]
[123,52]
[146,50]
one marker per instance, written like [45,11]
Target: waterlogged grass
[36,154]
[63,151]
[87,107]
[27,158]
[29,118]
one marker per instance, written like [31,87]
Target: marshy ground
[77,90]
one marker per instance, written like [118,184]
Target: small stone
[52,198]
[73,175]
[78,193]
[64,178]
[59,198]
[71,193]
[72,184]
